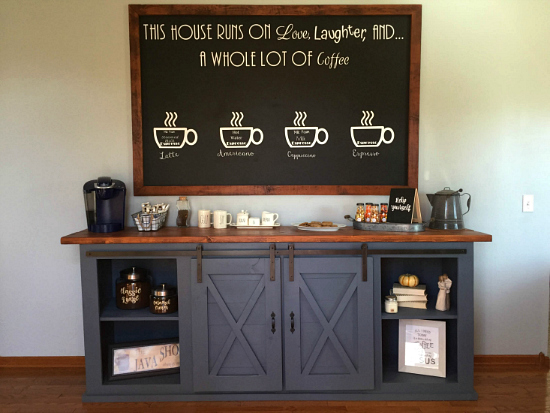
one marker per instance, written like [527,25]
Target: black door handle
[273,322]
[292,330]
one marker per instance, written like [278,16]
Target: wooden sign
[238,99]
[145,358]
[404,206]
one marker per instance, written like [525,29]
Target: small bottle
[390,304]
[183,212]
[368,212]
[360,213]
[375,218]
[383,212]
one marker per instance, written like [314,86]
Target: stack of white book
[411,297]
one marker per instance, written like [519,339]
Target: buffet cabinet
[277,320]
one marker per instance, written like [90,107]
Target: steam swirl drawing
[302,136]
[368,136]
[172,137]
[239,136]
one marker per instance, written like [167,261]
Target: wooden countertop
[168,235]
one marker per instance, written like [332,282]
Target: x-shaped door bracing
[236,327]
[328,326]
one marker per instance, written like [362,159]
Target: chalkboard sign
[404,206]
[274,99]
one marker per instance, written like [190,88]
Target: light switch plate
[528,201]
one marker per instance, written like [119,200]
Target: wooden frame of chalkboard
[178,51]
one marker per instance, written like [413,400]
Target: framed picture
[422,347]
[144,358]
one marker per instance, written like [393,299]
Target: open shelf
[110,312]
[428,271]
[429,314]
[132,333]
[160,270]
[390,355]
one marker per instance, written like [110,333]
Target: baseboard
[46,362]
[533,360]
[78,361]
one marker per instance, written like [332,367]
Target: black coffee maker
[105,203]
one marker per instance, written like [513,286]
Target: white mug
[254,221]
[221,219]
[205,218]
[269,218]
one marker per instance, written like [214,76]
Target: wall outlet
[528,201]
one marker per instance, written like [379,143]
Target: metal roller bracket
[272,262]
[199,263]
[291,262]
[365,252]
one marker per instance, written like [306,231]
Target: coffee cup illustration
[368,136]
[171,137]
[304,136]
[238,136]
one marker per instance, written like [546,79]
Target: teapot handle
[467,202]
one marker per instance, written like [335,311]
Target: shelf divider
[110,312]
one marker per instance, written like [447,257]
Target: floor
[501,388]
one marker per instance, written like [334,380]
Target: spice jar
[360,213]
[391,304]
[383,212]
[375,218]
[164,299]
[368,212]
[133,289]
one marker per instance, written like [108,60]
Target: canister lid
[391,298]
[133,273]
[164,290]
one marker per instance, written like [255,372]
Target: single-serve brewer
[105,200]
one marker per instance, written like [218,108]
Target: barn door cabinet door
[328,322]
[236,326]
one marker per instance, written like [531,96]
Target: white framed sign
[422,347]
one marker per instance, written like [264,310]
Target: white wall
[65,118]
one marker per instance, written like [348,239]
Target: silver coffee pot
[446,209]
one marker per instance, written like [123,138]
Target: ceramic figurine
[444,296]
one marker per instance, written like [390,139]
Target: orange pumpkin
[408,280]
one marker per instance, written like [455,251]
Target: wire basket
[149,222]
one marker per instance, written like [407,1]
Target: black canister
[133,289]
[164,299]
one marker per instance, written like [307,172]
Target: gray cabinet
[328,325]
[236,326]
[278,321]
